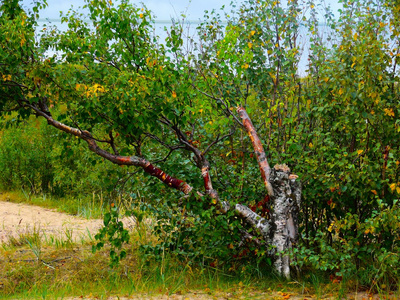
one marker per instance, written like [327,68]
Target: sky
[162,9]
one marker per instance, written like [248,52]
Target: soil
[17,220]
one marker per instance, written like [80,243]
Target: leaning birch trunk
[281,231]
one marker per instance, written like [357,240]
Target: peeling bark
[284,218]
[167,179]
[260,224]
[265,169]
[281,231]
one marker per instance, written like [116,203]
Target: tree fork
[281,231]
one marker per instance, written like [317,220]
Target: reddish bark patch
[124,159]
[167,179]
[258,148]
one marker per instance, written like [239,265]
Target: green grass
[41,269]
[38,266]
[81,273]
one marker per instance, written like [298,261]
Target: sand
[17,219]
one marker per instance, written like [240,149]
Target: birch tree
[137,101]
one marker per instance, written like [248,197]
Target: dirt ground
[17,219]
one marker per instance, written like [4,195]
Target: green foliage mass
[337,127]
[41,160]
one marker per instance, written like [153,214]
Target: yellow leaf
[392,186]
[374,192]
[310,145]
[326,79]
[214,201]
[355,36]
[331,226]
[141,16]
[36,80]
[7,77]
[398,190]
[397,162]
[360,151]
[200,110]
[277,45]
[352,65]
[246,66]
[252,32]
[173,94]
[389,112]
[250,45]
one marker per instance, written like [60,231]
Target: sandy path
[17,219]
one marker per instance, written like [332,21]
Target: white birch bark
[286,203]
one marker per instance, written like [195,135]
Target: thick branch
[258,149]
[117,159]
[260,224]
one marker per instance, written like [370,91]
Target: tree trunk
[284,218]
[281,230]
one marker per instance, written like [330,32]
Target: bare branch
[223,103]
[112,143]
[218,139]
